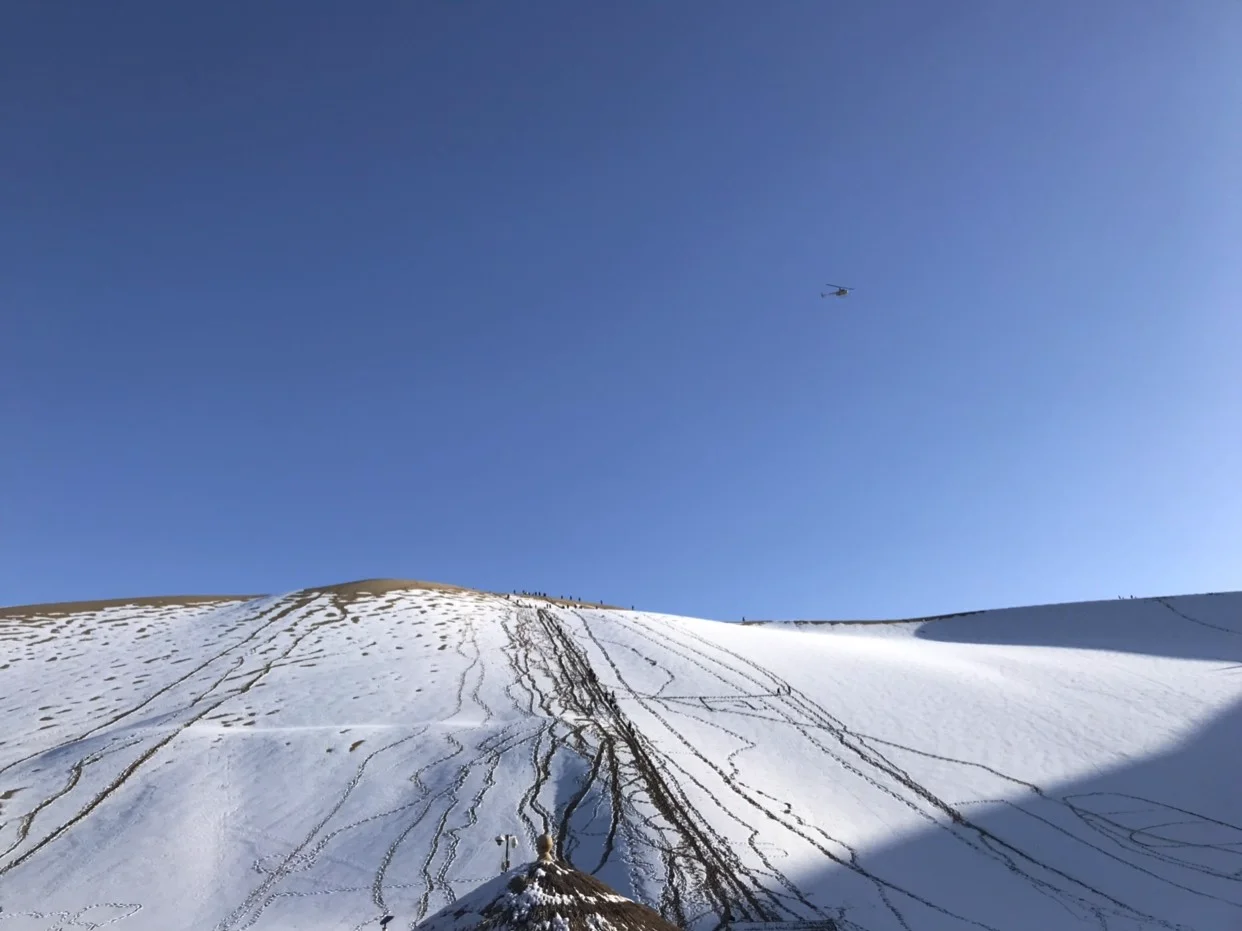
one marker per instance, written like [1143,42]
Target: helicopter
[837,291]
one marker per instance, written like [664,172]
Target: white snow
[316,762]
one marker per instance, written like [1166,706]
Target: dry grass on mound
[350,590]
[384,586]
[57,608]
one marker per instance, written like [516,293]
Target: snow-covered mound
[326,758]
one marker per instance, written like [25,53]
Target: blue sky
[526,296]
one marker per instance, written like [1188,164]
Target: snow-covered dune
[322,759]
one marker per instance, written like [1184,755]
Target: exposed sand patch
[384,586]
[360,588]
[57,608]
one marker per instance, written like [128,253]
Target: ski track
[637,741]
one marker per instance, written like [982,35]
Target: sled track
[197,708]
[683,819]
[866,762]
[699,864]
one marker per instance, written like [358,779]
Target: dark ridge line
[905,620]
[1160,599]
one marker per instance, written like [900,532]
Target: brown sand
[81,607]
[347,589]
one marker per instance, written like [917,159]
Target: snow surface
[317,761]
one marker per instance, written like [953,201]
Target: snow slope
[321,759]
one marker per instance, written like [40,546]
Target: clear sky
[526,295]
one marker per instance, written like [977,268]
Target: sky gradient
[527,296]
